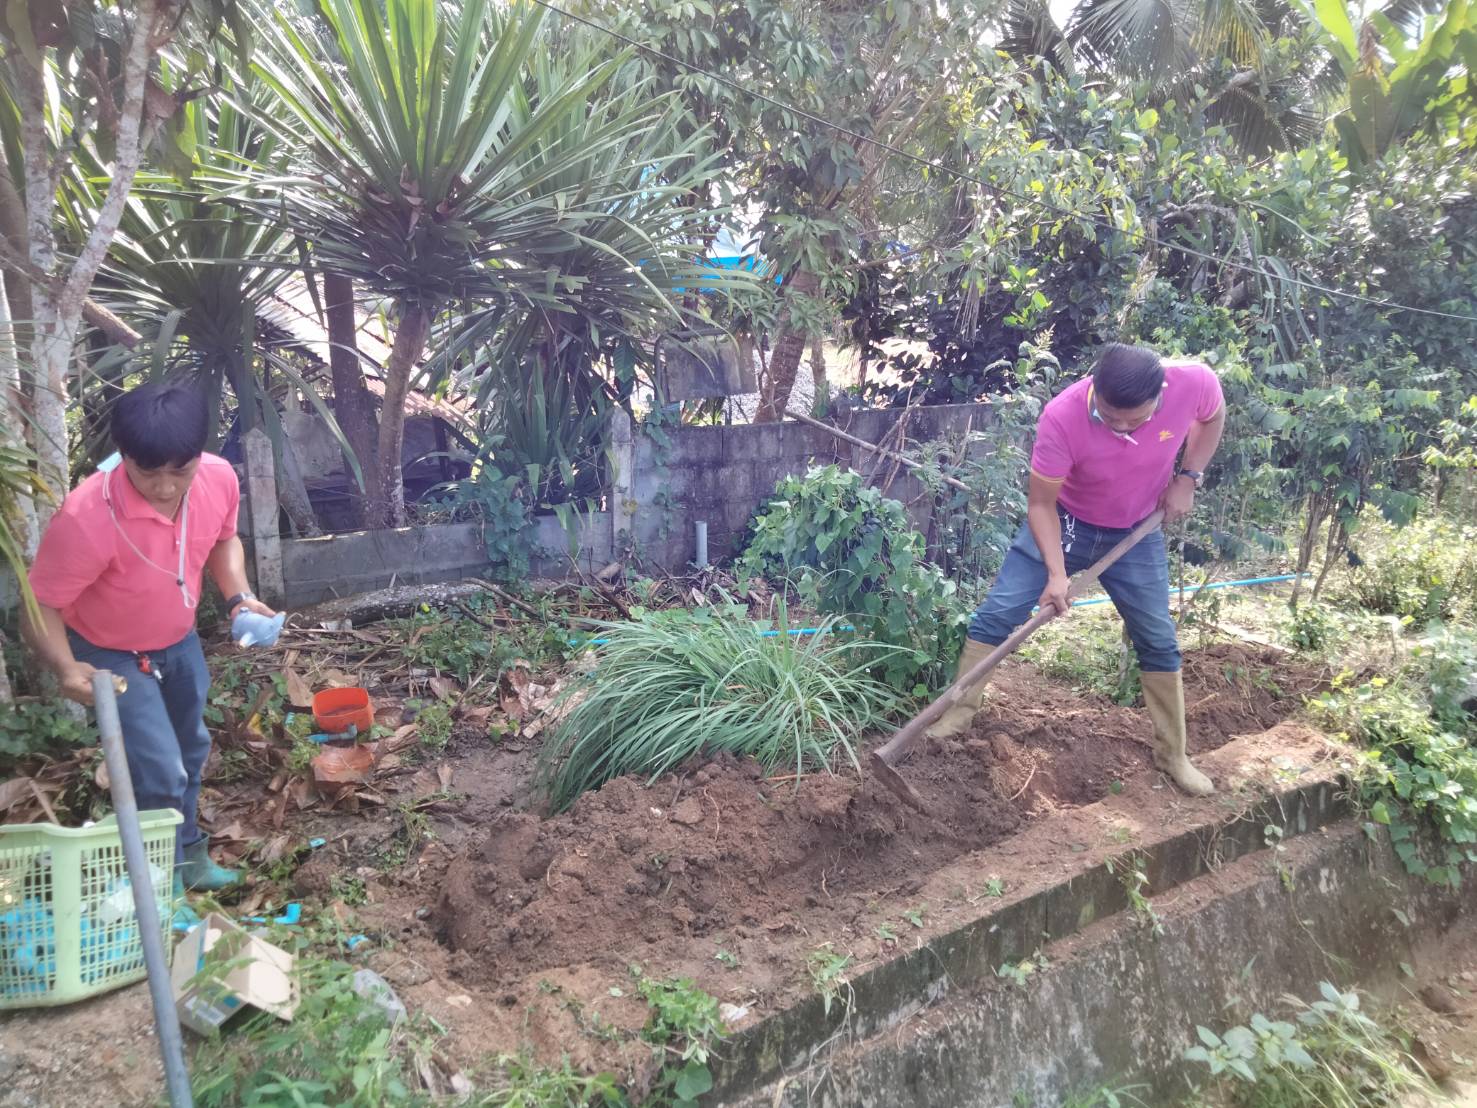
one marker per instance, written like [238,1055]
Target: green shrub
[1417,764]
[850,551]
[1334,1056]
[38,725]
[1449,658]
[676,684]
[499,503]
[1312,628]
[1426,570]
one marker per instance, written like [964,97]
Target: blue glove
[254,629]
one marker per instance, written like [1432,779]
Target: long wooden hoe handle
[903,743]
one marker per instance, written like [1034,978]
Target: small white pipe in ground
[702,544]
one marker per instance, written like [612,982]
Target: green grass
[524,1084]
[674,685]
[1086,650]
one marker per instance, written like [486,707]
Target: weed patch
[1087,651]
[683,1028]
[1334,1055]
[339,1050]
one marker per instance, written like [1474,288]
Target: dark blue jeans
[1138,584]
[163,721]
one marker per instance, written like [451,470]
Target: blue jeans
[163,721]
[1138,584]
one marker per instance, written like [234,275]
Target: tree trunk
[57,310]
[50,353]
[788,349]
[819,376]
[17,288]
[1309,538]
[353,406]
[294,493]
[387,503]
[1338,536]
[13,423]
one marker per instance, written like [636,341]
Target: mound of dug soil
[634,872]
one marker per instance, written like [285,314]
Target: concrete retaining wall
[663,484]
[335,566]
[1118,1004]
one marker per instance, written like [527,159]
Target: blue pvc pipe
[1079,604]
[1210,585]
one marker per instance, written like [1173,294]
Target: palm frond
[1150,39]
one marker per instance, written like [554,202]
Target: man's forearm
[1203,440]
[48,640]
[1046,529]
[227,566]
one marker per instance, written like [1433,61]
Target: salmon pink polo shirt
[1108,480]
[104,590]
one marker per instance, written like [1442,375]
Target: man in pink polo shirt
[1104,460]
[118,578]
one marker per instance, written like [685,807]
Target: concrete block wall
[716,474]
[722,474]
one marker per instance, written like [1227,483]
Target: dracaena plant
[429,173]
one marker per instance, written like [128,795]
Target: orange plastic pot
[334,710]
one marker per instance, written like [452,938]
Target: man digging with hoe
[1104,460]
[118,578]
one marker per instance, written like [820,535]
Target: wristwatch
[239,598]
[1194,475]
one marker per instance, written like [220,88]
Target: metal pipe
[702,543]
[166,1019]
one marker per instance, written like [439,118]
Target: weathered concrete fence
[662,484]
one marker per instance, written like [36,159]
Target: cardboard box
[219,970]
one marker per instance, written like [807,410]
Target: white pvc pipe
[166,1019]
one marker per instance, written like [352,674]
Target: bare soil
[722,848]
[518,931]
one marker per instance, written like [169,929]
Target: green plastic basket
[68,927]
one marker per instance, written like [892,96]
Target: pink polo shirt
[1107,480]
[105,591]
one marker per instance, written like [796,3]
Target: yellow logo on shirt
[1165,436]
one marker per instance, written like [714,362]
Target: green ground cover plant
[673,685]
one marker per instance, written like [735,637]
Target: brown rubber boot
[1164,696]
[961,715]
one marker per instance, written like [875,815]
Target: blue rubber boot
[200,873]
[183,917]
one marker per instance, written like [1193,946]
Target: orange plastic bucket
[334,710]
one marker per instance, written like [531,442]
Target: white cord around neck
[184,531]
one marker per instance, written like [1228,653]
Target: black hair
[1128,376]
[161,423]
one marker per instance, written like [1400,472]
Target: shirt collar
[131,503]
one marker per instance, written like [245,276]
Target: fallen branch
[892,455]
